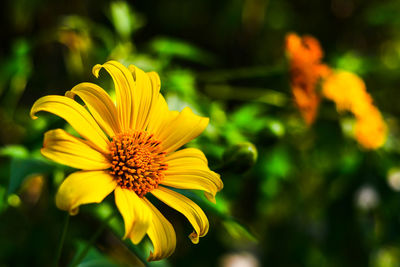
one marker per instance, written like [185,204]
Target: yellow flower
[349,93]
[130,148]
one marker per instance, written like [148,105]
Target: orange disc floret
[137,161]
[349,93]
[306,69]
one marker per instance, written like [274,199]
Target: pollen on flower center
[137,161]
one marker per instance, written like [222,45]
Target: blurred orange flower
[306,69]
[349,93]
[370,129]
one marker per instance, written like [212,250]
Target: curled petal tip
[126,235]
[151,257]
[32,114]
[132,70]
[69,94]
[194,237]
[96,70]
[210,197]
[74,212]
[62,206]
[135,240]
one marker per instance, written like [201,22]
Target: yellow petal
[124,83]
[185,127]
[192,182]
[187,154]
[161,116]
[146,91]
[188,208]
[155,81]
[161,234]
[187,169]
[136,213]
[76,115]
[61,147]
[99,104]
[84,187]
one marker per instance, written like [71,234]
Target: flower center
[137,161]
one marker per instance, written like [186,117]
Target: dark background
[293,196]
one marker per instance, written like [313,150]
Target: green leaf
[92,258]
[351,61]
[125,20]
[278,163]
[21,168]
[180,49]
[238,232]
[15,151]
[221,209]
[3,203]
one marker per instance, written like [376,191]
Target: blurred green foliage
[293,196]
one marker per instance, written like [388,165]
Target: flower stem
[61,244]
[92,240]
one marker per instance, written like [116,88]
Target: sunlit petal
[188,208]
[84,187]
[76,115]
[136,213]
[146,91]
[161,234]
[161,117]
[187,154]
[61,147]
[127,103]
[188,169]
[182,129]
[99,104]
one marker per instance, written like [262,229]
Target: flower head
[306,69]
[349,93]
[130,148]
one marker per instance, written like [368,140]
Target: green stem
[61,244]
[92,240]
[137,252]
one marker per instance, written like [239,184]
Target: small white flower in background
[239,259]
[367,198]
[393,179]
